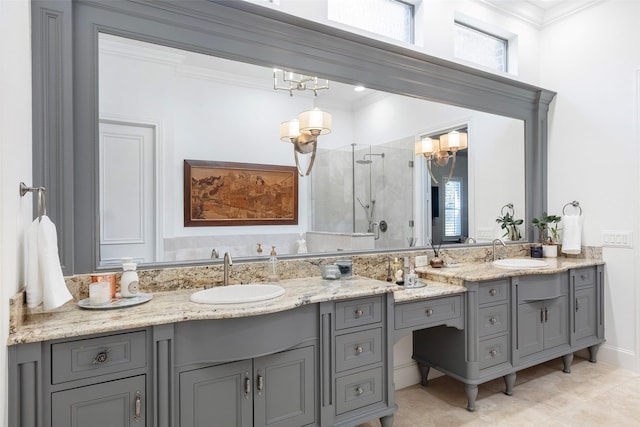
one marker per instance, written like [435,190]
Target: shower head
[365,161]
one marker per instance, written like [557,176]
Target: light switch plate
[484,233]
[617,239]
[422,260]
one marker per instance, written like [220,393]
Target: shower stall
[364,193]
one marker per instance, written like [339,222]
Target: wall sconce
[440,150]
[303,134]
[298,82]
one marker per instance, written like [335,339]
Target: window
[391,18]
[453,208]
[480,47]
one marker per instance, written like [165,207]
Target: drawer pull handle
[260,385]
[137,407]
[493,353]
[359,312]
[583,277]
[359,390]
[359,349]
[247,386]
[429,312]
[493,320]
[101,357]
[493,292]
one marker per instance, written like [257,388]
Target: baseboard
[408,374]
[618,357]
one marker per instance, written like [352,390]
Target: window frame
[505,40]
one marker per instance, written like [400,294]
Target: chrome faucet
[228,262]
[494,247]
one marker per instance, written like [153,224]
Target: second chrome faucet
[228,262]
[494,247]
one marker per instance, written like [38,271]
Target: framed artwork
[225,194]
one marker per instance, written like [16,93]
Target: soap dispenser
[273,266]
[129,280]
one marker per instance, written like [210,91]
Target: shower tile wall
[391,182]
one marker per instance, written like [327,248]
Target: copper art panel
[223,193]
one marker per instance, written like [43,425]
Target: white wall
[592,59]
[15,161]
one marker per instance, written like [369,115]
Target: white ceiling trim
[540,17]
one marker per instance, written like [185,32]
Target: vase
[550,251]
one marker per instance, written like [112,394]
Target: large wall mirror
[155,84]
[367,191]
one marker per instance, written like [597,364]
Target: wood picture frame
[237,194]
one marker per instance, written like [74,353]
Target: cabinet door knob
[359,390]
[359,312]
[137,407]
[359,349]
[493,320]
[101,357]
[493,353]
[429,312]
[493,292]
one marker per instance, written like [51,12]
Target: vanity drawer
[429,312]
[357,390]
[539,287]
[358,312]
[493,320]
[584,276]
[73,360]
[495,291]
[493,351]
[358,349]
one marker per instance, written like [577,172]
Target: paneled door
[127,193]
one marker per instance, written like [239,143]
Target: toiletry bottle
[273,266]
[398,271]
[129,280]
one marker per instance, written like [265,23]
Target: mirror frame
[65,89]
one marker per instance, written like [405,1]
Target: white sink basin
[520,263]
[237,294]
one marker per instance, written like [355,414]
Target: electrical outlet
[422,260]
[617,239]
[485,233]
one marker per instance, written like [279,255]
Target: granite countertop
[175,306]
[476,272]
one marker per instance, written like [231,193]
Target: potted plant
[547,225]
[510,226]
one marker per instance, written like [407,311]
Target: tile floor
[591,395]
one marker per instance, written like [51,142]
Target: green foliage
[510,225]
[548,227]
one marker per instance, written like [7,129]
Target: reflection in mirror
[172,105]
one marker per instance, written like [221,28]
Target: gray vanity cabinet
[276,390]
[542,316]
[355,363]
[114,403]
[587,308]
[90,381]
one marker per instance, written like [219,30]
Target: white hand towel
[34,281]
[55,289]
[571,234]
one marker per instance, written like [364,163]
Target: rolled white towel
[34,284]
[571,234]
[54,287]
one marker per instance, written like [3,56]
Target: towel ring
[508,206]
[575,204]
[41,200]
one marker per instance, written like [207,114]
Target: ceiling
[541,12]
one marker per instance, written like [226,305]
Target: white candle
[99,293]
